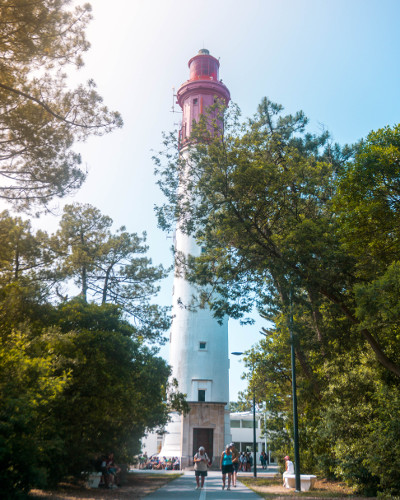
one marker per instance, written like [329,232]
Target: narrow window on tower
[202,346]
[201,395]
[195,101]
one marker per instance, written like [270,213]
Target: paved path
[183,488]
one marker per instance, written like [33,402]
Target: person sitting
[289,469]
[100,466]
[143,461]
[112,472]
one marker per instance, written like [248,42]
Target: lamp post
[294,396]
[254,422]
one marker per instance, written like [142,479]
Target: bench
[306,481]
[93,479]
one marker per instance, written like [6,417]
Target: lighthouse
[198,342]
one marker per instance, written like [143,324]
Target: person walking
[200,466]
[242,460]
[226,466]
[249,461]
[235,463]
[263,459]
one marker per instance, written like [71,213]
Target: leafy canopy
[280,211]
[40,117]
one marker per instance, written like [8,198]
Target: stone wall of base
[203,415]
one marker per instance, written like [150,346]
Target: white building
[241,424]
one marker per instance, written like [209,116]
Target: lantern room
[200,92]
[203,66]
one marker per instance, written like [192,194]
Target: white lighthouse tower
[198,343]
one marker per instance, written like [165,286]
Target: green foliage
[40,117]
[280,210]
[362,425]
[76,390]
[235,406]
[116,392]
[24,256]
[367,202]
[29,432]
[76,379]
[110,267]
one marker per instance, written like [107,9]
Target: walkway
[183,488]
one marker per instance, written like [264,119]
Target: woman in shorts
[235,463]
[226,466]
[200,466]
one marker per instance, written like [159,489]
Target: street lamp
[254,421]
[294,395]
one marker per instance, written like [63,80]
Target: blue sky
[336,60]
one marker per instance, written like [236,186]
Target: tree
[40,118]
[359,404]
[278,211]
[24,256]
[76,379]
[367,202]
[110,268]
[29,432]
[367,205]
[263,215]
[75,382]
[81,237]
[117,389]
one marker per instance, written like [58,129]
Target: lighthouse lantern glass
[204,67]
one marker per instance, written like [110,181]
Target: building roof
[245,414]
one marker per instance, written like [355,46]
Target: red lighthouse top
[204,66]
[201,91]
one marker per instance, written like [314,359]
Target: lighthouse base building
[204,425]
[241,424]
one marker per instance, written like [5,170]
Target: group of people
[157,463]
[229,465]
[110,471]
[231,462]
[245,461]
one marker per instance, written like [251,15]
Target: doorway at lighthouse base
[206,424]
[203,437]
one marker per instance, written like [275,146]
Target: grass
[134,487]
[272,488]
